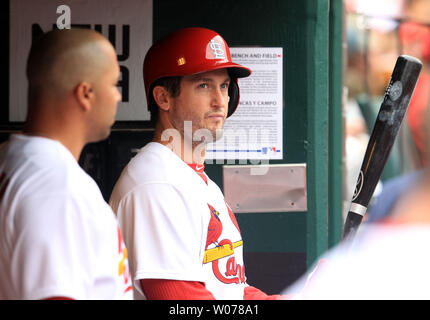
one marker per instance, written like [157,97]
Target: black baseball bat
[393,108]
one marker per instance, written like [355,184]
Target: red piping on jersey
[200,170]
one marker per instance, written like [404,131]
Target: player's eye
[225,85]
[203,85]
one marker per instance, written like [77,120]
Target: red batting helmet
[190,51]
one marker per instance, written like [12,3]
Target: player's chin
[106,134]
[215,128]
[100,136]
[208,133]
[215,123]
[106,131]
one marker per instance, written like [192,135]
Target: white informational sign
[254,131]
[127,24]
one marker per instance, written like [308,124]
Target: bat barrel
[391,113]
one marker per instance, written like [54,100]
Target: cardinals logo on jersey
[235,273]
[123,269]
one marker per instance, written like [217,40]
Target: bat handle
[352,222]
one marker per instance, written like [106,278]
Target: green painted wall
[336,124]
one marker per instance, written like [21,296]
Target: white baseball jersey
[387,261]
[58,237]
[176,226]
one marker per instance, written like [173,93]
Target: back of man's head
[61,59]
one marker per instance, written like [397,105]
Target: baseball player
[59,239]
[183,238]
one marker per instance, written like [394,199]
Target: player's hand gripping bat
[390,116]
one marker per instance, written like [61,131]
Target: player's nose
[219,98]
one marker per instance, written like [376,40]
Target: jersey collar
[200,170]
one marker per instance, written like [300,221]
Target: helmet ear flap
[234,95]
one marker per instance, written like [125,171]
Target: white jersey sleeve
[55,253]
[164,233]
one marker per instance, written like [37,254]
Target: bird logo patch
[219,249]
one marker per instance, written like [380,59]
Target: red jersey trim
[200,170]
[161,289]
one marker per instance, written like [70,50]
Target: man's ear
[162,97]
[84,94]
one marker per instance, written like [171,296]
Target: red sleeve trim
[161,289]
[252,293]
